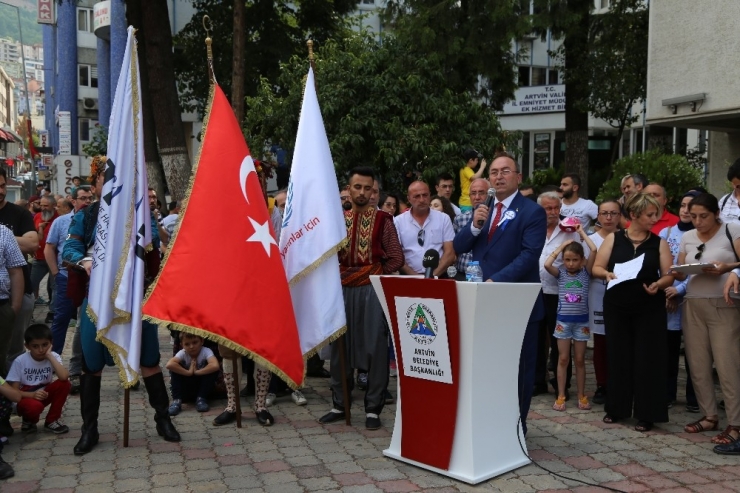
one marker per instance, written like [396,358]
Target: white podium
[487,439]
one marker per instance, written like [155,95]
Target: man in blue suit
[508,242]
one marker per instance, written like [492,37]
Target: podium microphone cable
[553,473]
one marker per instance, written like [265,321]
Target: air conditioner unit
[90,103]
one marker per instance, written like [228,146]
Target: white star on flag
[262,235]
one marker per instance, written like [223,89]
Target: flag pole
[126,404]
[341,340]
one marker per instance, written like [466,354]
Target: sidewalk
[297,454]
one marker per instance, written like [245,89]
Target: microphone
[430,262]
[489,201]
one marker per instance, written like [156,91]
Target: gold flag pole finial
[310,49]
[208,27]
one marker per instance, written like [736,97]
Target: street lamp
[25,81]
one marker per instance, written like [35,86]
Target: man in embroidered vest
[373,249]
[95,356]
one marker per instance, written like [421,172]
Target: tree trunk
[163,94]
[576,93]
[237,62]
[154,169]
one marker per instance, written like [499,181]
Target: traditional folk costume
[95,356]
[373,249]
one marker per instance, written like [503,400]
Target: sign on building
[65,133]
[45,14]
[536,99]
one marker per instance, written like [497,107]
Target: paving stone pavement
[298,454]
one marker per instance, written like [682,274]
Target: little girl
[572,320]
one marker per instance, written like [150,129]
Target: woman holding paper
[635,316]
[711,325]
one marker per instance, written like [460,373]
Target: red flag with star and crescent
[222,277]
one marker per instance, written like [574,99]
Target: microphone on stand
[430,262]
[489,201]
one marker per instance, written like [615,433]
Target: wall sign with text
[536,99]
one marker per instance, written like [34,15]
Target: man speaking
[508,247]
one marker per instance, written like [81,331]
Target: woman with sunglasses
[635,317]
[608,218]
[711,325]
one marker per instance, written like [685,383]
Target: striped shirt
[10,257]
[573,296]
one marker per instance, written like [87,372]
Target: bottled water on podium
[473,272]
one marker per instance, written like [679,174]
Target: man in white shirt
[573,205]
[729,206]
[420,229]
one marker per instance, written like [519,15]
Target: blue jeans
[64,311]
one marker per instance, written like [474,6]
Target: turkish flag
[222,277]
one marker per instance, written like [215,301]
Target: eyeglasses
[701,251]
[420,238]
[481,193]
[85,199]
[503,172]
[344,198]
[391,205]
[552,209]
[608,213]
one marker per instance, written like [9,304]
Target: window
[85,20]
[604,4]
[537,76]
[86,128]
[87,75]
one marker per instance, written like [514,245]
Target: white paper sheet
[626,271]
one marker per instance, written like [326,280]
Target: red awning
[5,137]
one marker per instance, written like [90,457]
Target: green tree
[672,171]
[470,39]
[382,105]
[617,64]
[275,31]
[569,20]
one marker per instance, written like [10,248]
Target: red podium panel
[428,432]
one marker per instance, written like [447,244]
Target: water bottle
[473,272]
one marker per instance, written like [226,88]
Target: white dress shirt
[507,203]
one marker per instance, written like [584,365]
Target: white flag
[124,227]
[313,231]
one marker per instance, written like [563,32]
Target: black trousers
[637,359]
[674,354]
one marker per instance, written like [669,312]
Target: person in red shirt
[42,221]
[667,219]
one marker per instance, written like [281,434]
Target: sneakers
[28,427]
[583,404]
[362,380]
[270,399]
[41,301]
[559,404]
[393,369]
[201,405]
[56,427]
[175,407]
[298,398]
[5,470]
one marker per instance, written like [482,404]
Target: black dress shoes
[331,417]
[728,449]
[224,418]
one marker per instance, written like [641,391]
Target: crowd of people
[605,269]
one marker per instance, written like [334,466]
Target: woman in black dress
[635,318]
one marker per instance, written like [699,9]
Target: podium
[467,429]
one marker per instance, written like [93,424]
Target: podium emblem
[421,323]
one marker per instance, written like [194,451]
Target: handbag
[77,282]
